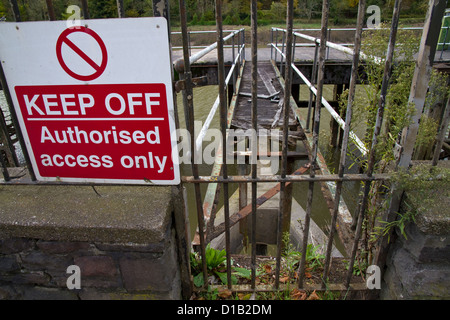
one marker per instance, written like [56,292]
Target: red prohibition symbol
[63,39]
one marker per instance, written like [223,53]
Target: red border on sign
[63,38]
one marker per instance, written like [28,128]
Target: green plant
[314,257]
[215,264]
[419,182]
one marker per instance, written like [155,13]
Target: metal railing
[316,87]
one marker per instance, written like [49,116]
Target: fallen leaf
[267,268]
[243,296]
[313,296]
[308,275]
[226,293]
[297,294]
[284,279]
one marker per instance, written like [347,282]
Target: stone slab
[77,213]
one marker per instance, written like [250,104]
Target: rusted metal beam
[189,113]
[15,10]
[121,9]
[254,114]
[315,137]
[84,8]
[289,178]
[51,10]
[294,155]
[285,191]
[244,212]
[378,122]
[348,118]
[223,129]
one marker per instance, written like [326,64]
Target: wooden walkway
[270,100]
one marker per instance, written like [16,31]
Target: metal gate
[313,173]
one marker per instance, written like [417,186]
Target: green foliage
[245,273]
[340,11]
[398,114]
[420,182]
[215,264]
[314,258]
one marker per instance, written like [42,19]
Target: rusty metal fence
[220,180]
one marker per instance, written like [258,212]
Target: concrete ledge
[77,213]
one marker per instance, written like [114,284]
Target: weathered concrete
[77,213]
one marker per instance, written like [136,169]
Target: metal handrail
[179,63]
[213,110]
[333,45]
[359,144]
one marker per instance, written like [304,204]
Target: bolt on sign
[94,102]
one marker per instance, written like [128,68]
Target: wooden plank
[267,108]
[267,79]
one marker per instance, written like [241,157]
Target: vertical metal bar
[253,158]
[276,45]
[313,161]
[189,43]
[189,109]
[238,61]
[443,44]
[51,10]
[378,123]
[328,48]
[120,9]
[223,127]
[235,70]
[84,7]
[293,51]
[313,82]
[5,138]
[284,162]
[442,132]
[348,118]
[283,39]
[271,44]
[180,212]
[15,10]
[15,122]
[243,43]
